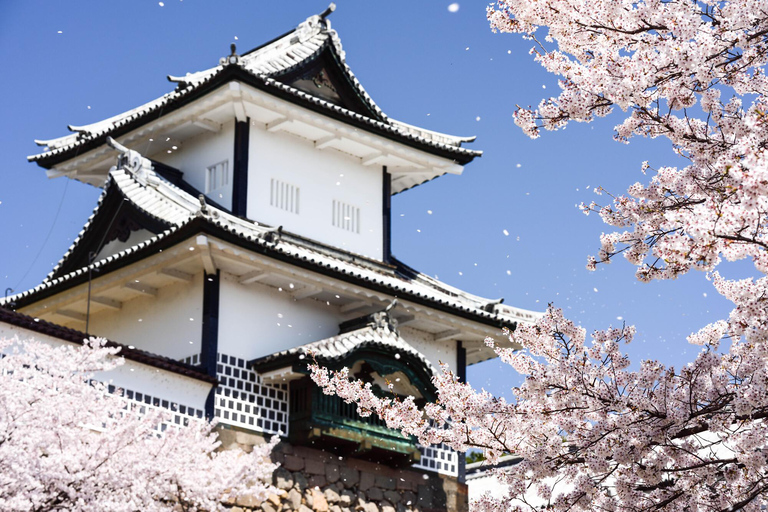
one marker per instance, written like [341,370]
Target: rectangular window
[345,216]
[284,196]
[217,176]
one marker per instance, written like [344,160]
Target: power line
[45,242]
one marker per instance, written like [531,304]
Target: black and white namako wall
[244,223]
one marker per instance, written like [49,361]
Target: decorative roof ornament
[273,235]
[308,27]
[490,306]
[131,161]
[232,58]
[327,12]
[382,320]
[203,211]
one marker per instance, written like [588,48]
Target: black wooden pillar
[240,168]
[210,336]
[461,373]
[386,215]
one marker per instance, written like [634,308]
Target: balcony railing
[317,417]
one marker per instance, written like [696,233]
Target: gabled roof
[183,216]
[133,354]
[379,336]
[376,334]
[283,67]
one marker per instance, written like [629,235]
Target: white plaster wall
[322,176]
[196,154]
[132,375]
[480,484]
[434,351]
[256,320]
[169,324]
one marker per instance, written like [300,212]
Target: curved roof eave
[180,97]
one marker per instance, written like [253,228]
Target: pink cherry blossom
[66,443]
[592,433]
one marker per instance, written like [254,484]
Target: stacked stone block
[312,480]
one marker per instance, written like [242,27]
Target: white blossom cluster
[66,443]
[591,433]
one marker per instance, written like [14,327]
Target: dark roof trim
[114,209]
[133,354]
[231,73]
[200,225]
[378,355]
[112,199]
[327,58]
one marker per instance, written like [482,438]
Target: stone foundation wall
[314,480]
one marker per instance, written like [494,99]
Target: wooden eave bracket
[354,306]
[307,292]
[177,275]
[74,315]
[236,92]
[278,124]
[253,276]
[143,289]
[373,158]
[447,334]
[326,141]
[107,302]
[205,254]
[207,124]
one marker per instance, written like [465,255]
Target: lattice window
[217,176]
[345,216]
[284,196]
[438,458]
[243,400]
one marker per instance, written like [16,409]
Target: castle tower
[244,224]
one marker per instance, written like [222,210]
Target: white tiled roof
[338,347]
[176,208]
[264,63]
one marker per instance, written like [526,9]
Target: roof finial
[328,11]
[383,319]
[232,58]
[131,161]
[203,211]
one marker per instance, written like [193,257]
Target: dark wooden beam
[386,216]
[240,169]
[210,336]
[461,373]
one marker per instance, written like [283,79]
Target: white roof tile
[275,58]
[176,208]
[340,346]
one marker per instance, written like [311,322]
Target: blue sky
[80,62]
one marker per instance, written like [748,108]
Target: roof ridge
[371,334]
[290,50]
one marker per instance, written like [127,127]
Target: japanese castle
[245,223]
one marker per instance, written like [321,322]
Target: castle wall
[168,325]
[133,376]
[195,155]
[318,178]
[435,351]
[256,320]
[310,479]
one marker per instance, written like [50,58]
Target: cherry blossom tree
[592,433]
[66,443]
